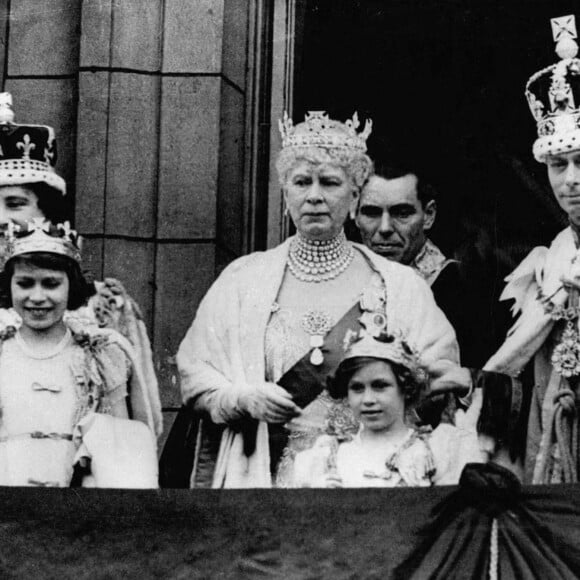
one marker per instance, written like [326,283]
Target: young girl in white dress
[371,440]
[63,391]
[31,189]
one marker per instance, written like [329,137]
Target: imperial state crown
[553,95]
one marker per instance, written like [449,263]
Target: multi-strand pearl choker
[318,261]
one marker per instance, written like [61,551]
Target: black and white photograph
[290,289]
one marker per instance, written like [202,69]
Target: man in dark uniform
[396,211]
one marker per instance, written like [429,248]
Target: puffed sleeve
[115,369]
[113,308]
[113,365]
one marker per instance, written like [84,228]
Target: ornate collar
[430,261]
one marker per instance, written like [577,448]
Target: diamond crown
[553,94]
[40,235]
[318,130]
[389,346]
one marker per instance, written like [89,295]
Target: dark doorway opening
[443,81]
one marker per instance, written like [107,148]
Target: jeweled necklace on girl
[319,260]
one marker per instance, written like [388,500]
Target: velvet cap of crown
[385,346]
[40,235]
[553,95]
[27,152]
[318,130]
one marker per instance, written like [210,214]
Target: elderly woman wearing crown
[63,392]
[30,188]
[270,330]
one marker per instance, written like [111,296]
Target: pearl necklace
[318,261]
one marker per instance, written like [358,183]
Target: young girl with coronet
[63,391]
[30,188]
[371,440]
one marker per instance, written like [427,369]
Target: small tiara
[318,130]
[388,346]
[40,235]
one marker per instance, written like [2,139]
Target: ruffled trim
[430,262]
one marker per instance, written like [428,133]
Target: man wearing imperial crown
[545,286]
[31,189]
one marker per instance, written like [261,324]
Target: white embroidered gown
[421,459]
[41,402]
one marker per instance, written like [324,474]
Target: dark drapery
[538,535]
[337,534]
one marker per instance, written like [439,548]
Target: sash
[304,381]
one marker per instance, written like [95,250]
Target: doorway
[443,81]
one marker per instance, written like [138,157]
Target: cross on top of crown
[563,27]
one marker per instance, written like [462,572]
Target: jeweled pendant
[316,357]
[566,355]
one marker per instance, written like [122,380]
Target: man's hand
[571,281]
[269,402]
[445,376]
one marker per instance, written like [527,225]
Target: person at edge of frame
[64,388]
[545,287]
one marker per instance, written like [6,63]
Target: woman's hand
[269,402]
[445,376]
[571,282]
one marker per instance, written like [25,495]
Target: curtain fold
[538,533]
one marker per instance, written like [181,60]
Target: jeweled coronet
[391,347]
[318,130]
[39,235]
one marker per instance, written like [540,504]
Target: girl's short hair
[80,289]
[338,384]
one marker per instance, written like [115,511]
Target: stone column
[160,145]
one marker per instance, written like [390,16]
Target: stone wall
[148,99]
